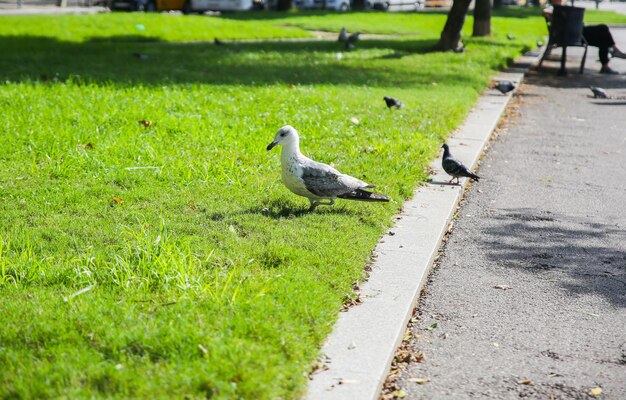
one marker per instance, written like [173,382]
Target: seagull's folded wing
[325,181]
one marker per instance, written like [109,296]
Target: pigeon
[454,167]
[505,86]
[509,36]
[354,37]
[314,180]
[599,92]
[140,56]
[218,42]
[392,102]
[343,35]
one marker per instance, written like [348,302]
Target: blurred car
[341,5]
[187,6]
[395,5]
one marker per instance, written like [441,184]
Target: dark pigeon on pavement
[454,167]
[393,102]
[343,35]
[599,92]
[505,86]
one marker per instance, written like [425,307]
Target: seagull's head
[285,135]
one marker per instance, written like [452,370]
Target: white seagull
[314,180]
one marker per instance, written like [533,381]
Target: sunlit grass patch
[147,246]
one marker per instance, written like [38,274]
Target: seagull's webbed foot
[316,203]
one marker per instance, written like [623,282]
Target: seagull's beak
[271,146]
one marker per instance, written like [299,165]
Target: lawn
[164,258]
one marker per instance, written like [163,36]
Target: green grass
[208,280]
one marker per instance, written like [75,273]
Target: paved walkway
[529,296]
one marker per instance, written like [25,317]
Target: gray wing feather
[453,166]
[325,181]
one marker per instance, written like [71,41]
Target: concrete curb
[360,349]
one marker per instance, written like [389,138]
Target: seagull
[314,180]
[343,35]
[454,167]
[392,102]
[505,86]
[354,37]
[599,92]
[142,57]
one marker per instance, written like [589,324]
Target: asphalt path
[529,295]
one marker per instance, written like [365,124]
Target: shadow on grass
[590,255]
[115,60]
[280,209]
[504,12]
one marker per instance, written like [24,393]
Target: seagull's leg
[313,205]
[329,203]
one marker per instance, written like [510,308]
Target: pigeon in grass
[316,181]
[454,167]
[343,35]
[599,92]
[505,86]
[140,56]
[355,37]
[218,42]
[393,102]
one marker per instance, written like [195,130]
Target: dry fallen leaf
[430,328]
[354,120]
[145,123]
[118,200]
[87,146]
[420,381]
[525,382]
[595,392]
[503,287]
[399,394]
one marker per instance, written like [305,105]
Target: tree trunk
[482,18]
[451,34]
[497,3]
[283,5]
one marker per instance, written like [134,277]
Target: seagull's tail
[364,195]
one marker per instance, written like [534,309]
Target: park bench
[565,29]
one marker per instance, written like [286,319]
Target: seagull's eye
[282,134]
